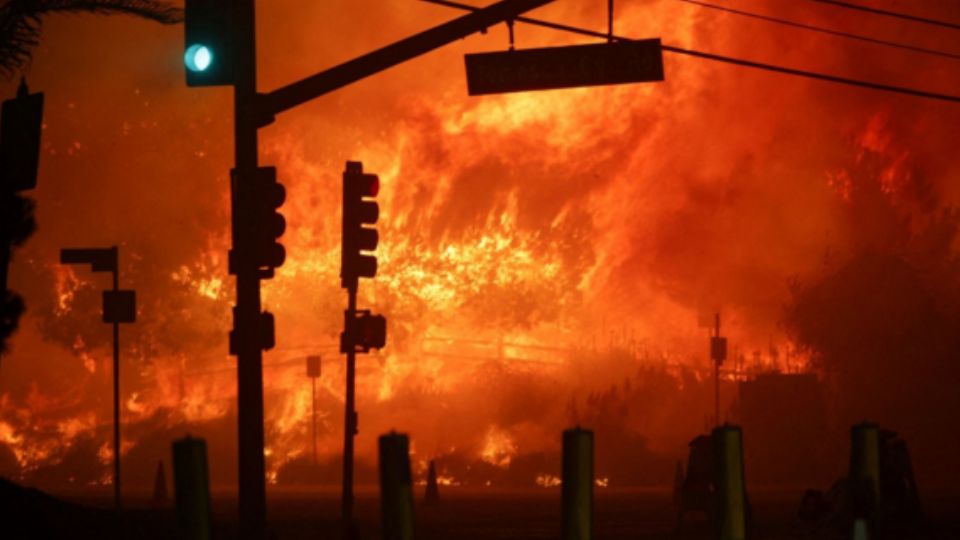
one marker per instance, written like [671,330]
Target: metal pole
[350,421]
[609,20]
[716,379]
[252,488]
[116,399]
[313,381]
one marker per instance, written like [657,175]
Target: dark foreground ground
[463,514]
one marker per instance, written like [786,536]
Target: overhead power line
[822,30]
[886,13]
[727,59]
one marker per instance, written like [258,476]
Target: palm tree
[20,22]
[20,25]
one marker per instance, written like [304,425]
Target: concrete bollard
[396,491]
[192,488]
[577,485]
[731,493]
[860,530]
[864,475]
[433,489]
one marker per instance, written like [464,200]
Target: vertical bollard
[577,485]
[396,491]
[731,495]
[860,530]
[864,478]
[192,488]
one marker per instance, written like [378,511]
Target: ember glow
[542,255]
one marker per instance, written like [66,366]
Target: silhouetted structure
[697,489]
[678,478]
[396,489]
[718,354]
[20,126]
[119,306]
[160,486]
[715,483]
[313,372]
[432,495]
[577,485]
[730,483]
[879,490]
[361,330]
[234,25]
[786,417]
[191,481]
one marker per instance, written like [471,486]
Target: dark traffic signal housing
[264,330]
[210,42]
[359,215]
[364,331]
[257,224]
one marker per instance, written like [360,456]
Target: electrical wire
[886,13]
[822,30]
[727,59]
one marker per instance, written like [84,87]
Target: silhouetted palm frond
[20,22]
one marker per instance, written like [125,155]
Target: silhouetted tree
[881,322]
[16,220]
[20,22]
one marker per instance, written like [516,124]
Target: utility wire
[875,11]
[727,59]
[822,30]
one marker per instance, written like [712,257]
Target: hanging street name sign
[564,67]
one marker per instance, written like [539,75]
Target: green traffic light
[198,58]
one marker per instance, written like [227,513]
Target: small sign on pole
[313,367]
[718,349]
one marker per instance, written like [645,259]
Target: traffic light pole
[116,399]
[349,424]
[251,479]
[716,379]
[313,402]
[252,111]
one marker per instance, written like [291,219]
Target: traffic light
[264,330]
[357,213]
[209,46]
[257,223]
[21,122]
[363,333]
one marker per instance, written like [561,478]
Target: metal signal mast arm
[287,97]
